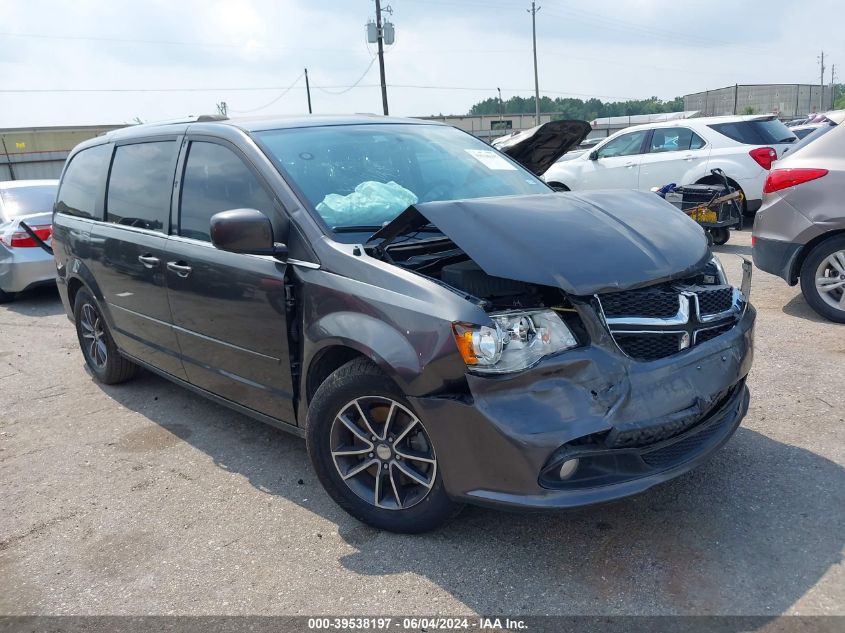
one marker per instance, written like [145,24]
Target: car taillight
[784,178]
[21,239]
[753,240]
[764,156]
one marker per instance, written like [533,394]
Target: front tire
[97,344]
[372,453]
[823,279]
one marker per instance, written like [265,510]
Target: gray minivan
[440,326]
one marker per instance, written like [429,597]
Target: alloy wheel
[93,336]
[382,452]
[830,280]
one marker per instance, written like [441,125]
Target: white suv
[681,152]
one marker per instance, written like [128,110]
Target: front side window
[18,201]
[625,145]
[216,180]
[365,175]
[140,184]
[81,182]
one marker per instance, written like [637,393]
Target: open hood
[538,148]
[583,243]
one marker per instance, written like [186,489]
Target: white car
[681,152]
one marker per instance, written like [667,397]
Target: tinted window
[765,132]
[140,184]
[81,181]
[26,200]
[365,175]
[670,139]
[625,145]
[216,180]
[696,142]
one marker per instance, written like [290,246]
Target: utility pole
[832,86]
[380,37]
[533,11]
[308,90]
[821,83]
[222,108]
[500,103]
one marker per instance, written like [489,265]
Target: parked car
[799,232]
[23,263]
[439,325]
[681,152]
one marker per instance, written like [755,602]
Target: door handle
[180,268]
[689,157]
[629,165]
[148,261]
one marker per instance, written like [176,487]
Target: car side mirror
[245,231]
[594,155]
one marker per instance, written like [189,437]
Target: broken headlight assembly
[517,340]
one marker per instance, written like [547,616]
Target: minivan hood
[537,149]
[582,243]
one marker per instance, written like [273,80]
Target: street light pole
[533,11]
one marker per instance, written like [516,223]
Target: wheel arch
[800,258]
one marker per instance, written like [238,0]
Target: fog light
[568,468]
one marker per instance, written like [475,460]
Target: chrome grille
[653,323]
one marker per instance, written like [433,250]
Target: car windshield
[19,201]
[364,175]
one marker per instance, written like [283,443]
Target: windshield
[365,175]
[28,200]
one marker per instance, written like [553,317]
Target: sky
[112,61]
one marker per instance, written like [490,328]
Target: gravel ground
[146,499]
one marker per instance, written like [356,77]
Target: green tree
[572,108]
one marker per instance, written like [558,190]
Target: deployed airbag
[371,203]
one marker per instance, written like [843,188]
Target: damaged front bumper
[630,425]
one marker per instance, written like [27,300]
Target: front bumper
[494,446]
[22,268]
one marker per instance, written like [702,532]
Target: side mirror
[245,231]
[594,155]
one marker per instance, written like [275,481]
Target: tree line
[572,108]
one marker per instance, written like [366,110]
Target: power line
[355,85]
[267,105]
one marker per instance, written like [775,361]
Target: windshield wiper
[788,139]
[357,228]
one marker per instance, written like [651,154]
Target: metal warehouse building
[40,152]
[785,100]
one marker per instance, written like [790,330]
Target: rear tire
[6,297]
[823,279]
[95,340]
[720,235]
[364,440]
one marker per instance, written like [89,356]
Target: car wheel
[372,453]
[823,279]
[97,344]
[720,235]
[6,297]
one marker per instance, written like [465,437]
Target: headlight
[517,340]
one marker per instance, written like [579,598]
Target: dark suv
[439,325]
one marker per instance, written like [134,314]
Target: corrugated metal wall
[36,153]
[786,100]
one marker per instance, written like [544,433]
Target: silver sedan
[23,262]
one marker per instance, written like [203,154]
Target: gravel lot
[146,499]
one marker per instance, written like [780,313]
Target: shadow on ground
[798,307]
[750,532]
[40,301]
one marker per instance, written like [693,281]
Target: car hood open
[537,149]
[582,243]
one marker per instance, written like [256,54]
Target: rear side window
[765,132]
[81,182]
[625,145]
[140,185]
[215,180]
[19,201]
[674,139]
